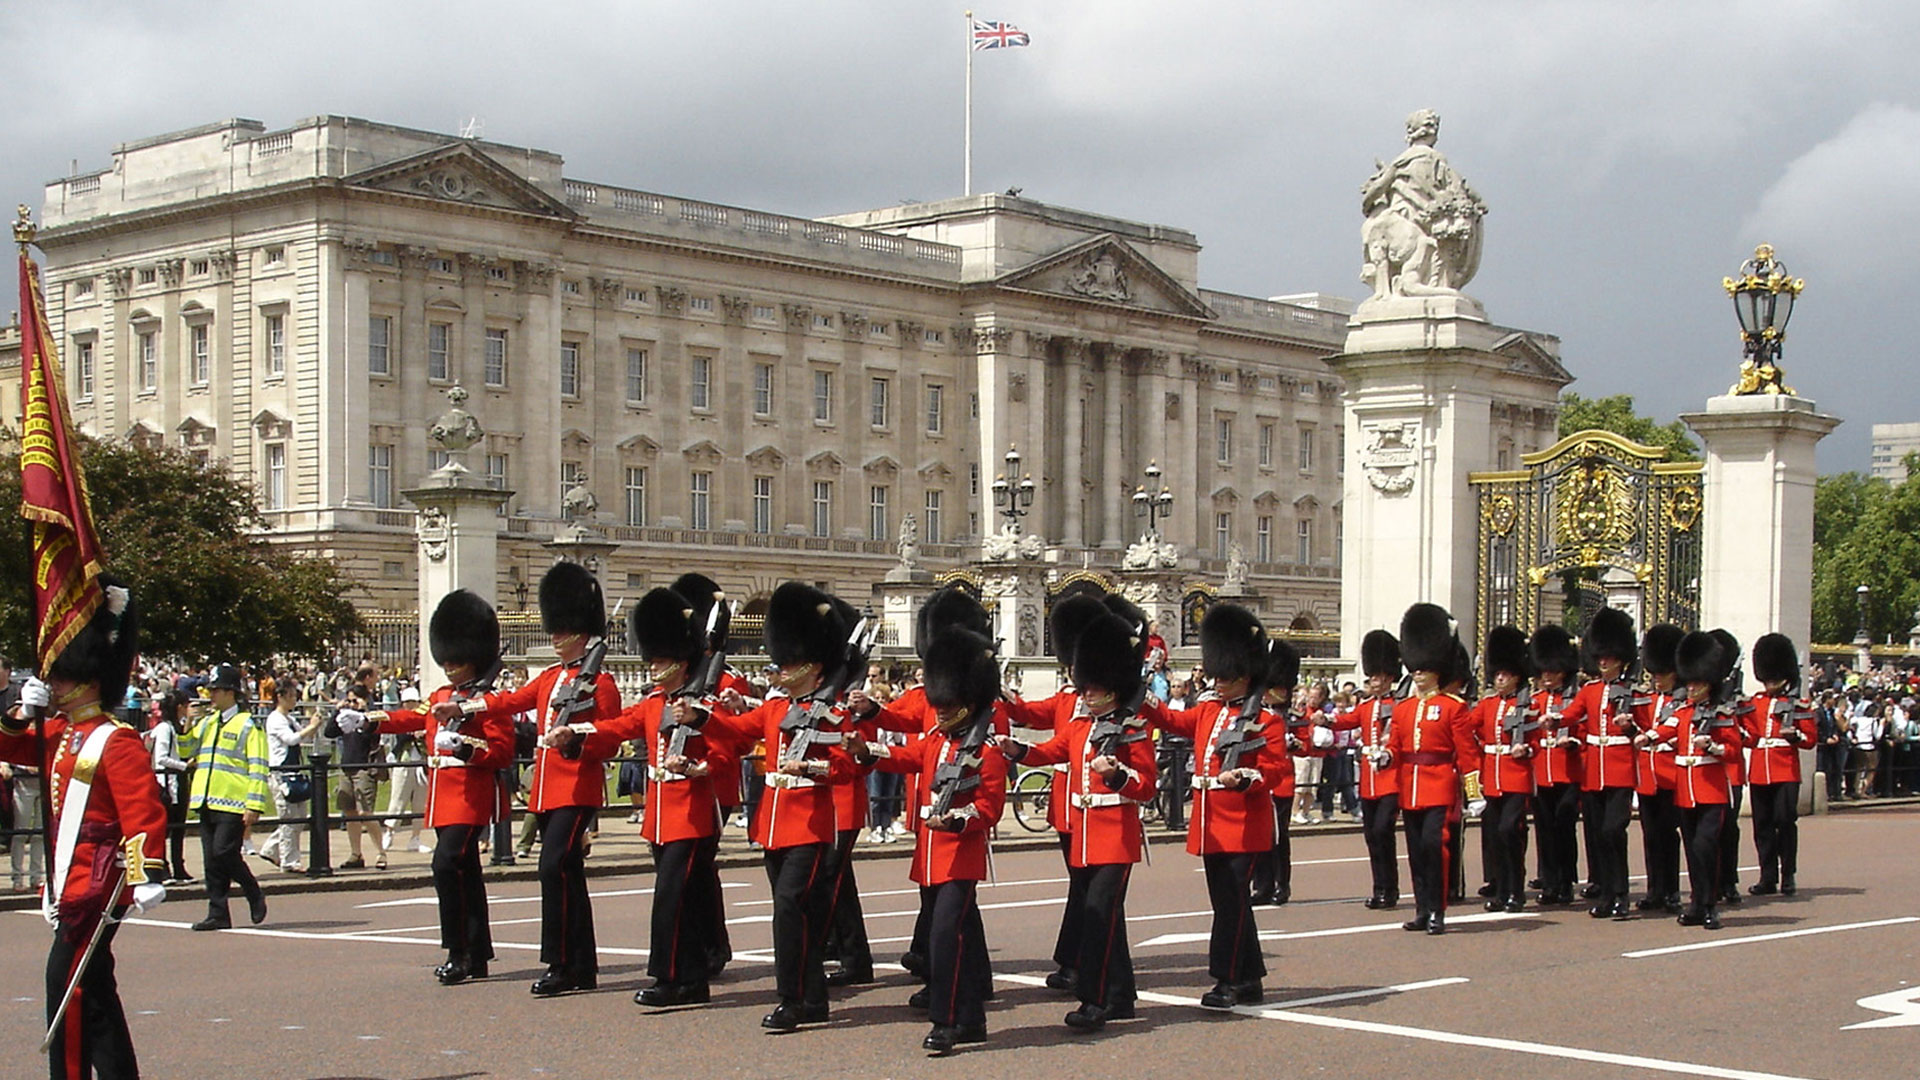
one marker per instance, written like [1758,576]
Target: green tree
[1616,414]
[187,541]
[1866,532]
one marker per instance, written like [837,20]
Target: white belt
[1500,749]
[783,780]
[1609,740]
[1695,760]
[1209,783]
[1060,768]
[445,761]
[1103,798]
[1662,748]
[665,776]
[1773,744]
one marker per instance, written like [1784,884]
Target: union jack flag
[998,35]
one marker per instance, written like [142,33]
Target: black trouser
[1660,836]
[1556,808]
[1776,829]
[93,1039]
[566,912]
[1233,949]
[1701,827]
[1273,868]
[1383,850]
[1730,839]
[1608,812]
[1105,963]
[957,958]
[846,924]
[1503,827]
[706,900]
[464,930]
[225,867]
[1427,858]
[177,825]
[677,953]
[1833,762]
[1066,944]
[802,899]
[1457,852]
[505,783]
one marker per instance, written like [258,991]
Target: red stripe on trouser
[73,1048]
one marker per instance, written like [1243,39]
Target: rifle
[1122,725]
[1519,720]
[1241,736]
[703,681]
[804,716]
[961,775]
[576,696]
[1619,701]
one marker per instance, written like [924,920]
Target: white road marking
[1264,1011]
[429,901]
[1903,1004]
[1338,931]
[1721,942]
[915,891]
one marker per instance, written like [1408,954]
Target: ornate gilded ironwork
[1594,501]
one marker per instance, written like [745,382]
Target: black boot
[940,1041]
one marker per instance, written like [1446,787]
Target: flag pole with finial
[967,186]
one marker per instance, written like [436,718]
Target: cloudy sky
[1632,153]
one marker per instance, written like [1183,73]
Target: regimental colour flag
[998,35]
[53,490]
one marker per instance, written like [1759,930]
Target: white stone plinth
[1757,544]
[458,529]
[899,603]
[1016,593]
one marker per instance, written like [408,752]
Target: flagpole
[967,187]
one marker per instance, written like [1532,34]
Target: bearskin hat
[1507,651]
[103,651]
[1233,644]
[1380,654]
[1610,634]
[1110,653]
[961,669]
[1551,649]
[571,602]
[807,626]
[1656,648]
[1776,660]
[702,593]
[464,631]
[1127,610]
[1702,657]
[1070,616]
[1427,639]
[949,606]
[1461,670]
[1283,666]
[663,626]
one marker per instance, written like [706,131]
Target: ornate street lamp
[1014,500]
[1861,637]
[1150,503]
[1763,297]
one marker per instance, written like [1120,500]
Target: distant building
[1891,445]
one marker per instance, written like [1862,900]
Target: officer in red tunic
[1736,779]
[1778,726]
[1432,743]
[1556,800]
[1379,788]
[705,899]
[107,816]
[1602,717]
[1111,770]
[809,641]
[463,798]
[1707,735]
[1654,772]
[1507,736]
[1233,820]
[954,763]
[568,786]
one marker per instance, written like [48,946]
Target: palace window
[877,512]
[763,389]
[636,491]
[276,345]
[932,524]
[1223,439]
[700,383]
[700,500]
[148,344]
[636,376]
[439,346]
[877,395]
[380,475]
[1306,449]
[1266,445]
[496,358]
[823,397]
[83,368]
[570,369]
[1263,539]
[1222,533]
[199,354]
[273,483]
[1303,542]
[823,508]
[936,408]
[763,504]
[379,345]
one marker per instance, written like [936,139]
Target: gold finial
[23,226]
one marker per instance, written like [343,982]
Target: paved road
[337,985]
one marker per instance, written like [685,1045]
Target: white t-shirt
[282,736]
[1866,730]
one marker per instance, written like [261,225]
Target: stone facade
[751,395]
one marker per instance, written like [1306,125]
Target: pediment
[460,173]
[1525,356]
[271,425]
[195,431]
[936,472]
[881,466]
[704,450]
[766,457]
[146,435]
[1266,500]
[640,445]
[1306,504]
[1224,495]
[826,461]
[1105,269]
[575,441]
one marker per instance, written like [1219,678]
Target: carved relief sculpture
[1101,277]
[1422,234]
[1392,450]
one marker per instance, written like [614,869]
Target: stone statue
[1236,566]
[1150,553]
[1100,276]
[579,502]
[1422,234]
[909,545]
[456,430]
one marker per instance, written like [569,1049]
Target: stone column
[1017,592]
[1073,351]
[1757,545]
[1113,414]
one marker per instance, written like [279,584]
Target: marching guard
[1655,774]
[704,895]
[568,784]
[1433,745]
[1707,735]
[1601,715]
[1503,724]
[1556,799]
[1777,726]
[1379,787]
[463,797]
[1736,777]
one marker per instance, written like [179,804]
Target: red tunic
[678,807]
[558,782]
[1501,773]
[1049,714]
[1597,720]
[460,792]
[723,765]
[912,714]
[1371,718]
[1433,744]
[1554,764]
[795,810]
[124,802]
[1654,770]
[1104,821]
[1702,778]
[1770,730]
[940,856]
[1224,820]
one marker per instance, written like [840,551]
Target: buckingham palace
[755,396]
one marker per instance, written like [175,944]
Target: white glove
[33,694]
[445,742]
[148,896]
[1476,807]
[350,721]
[1322,738]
